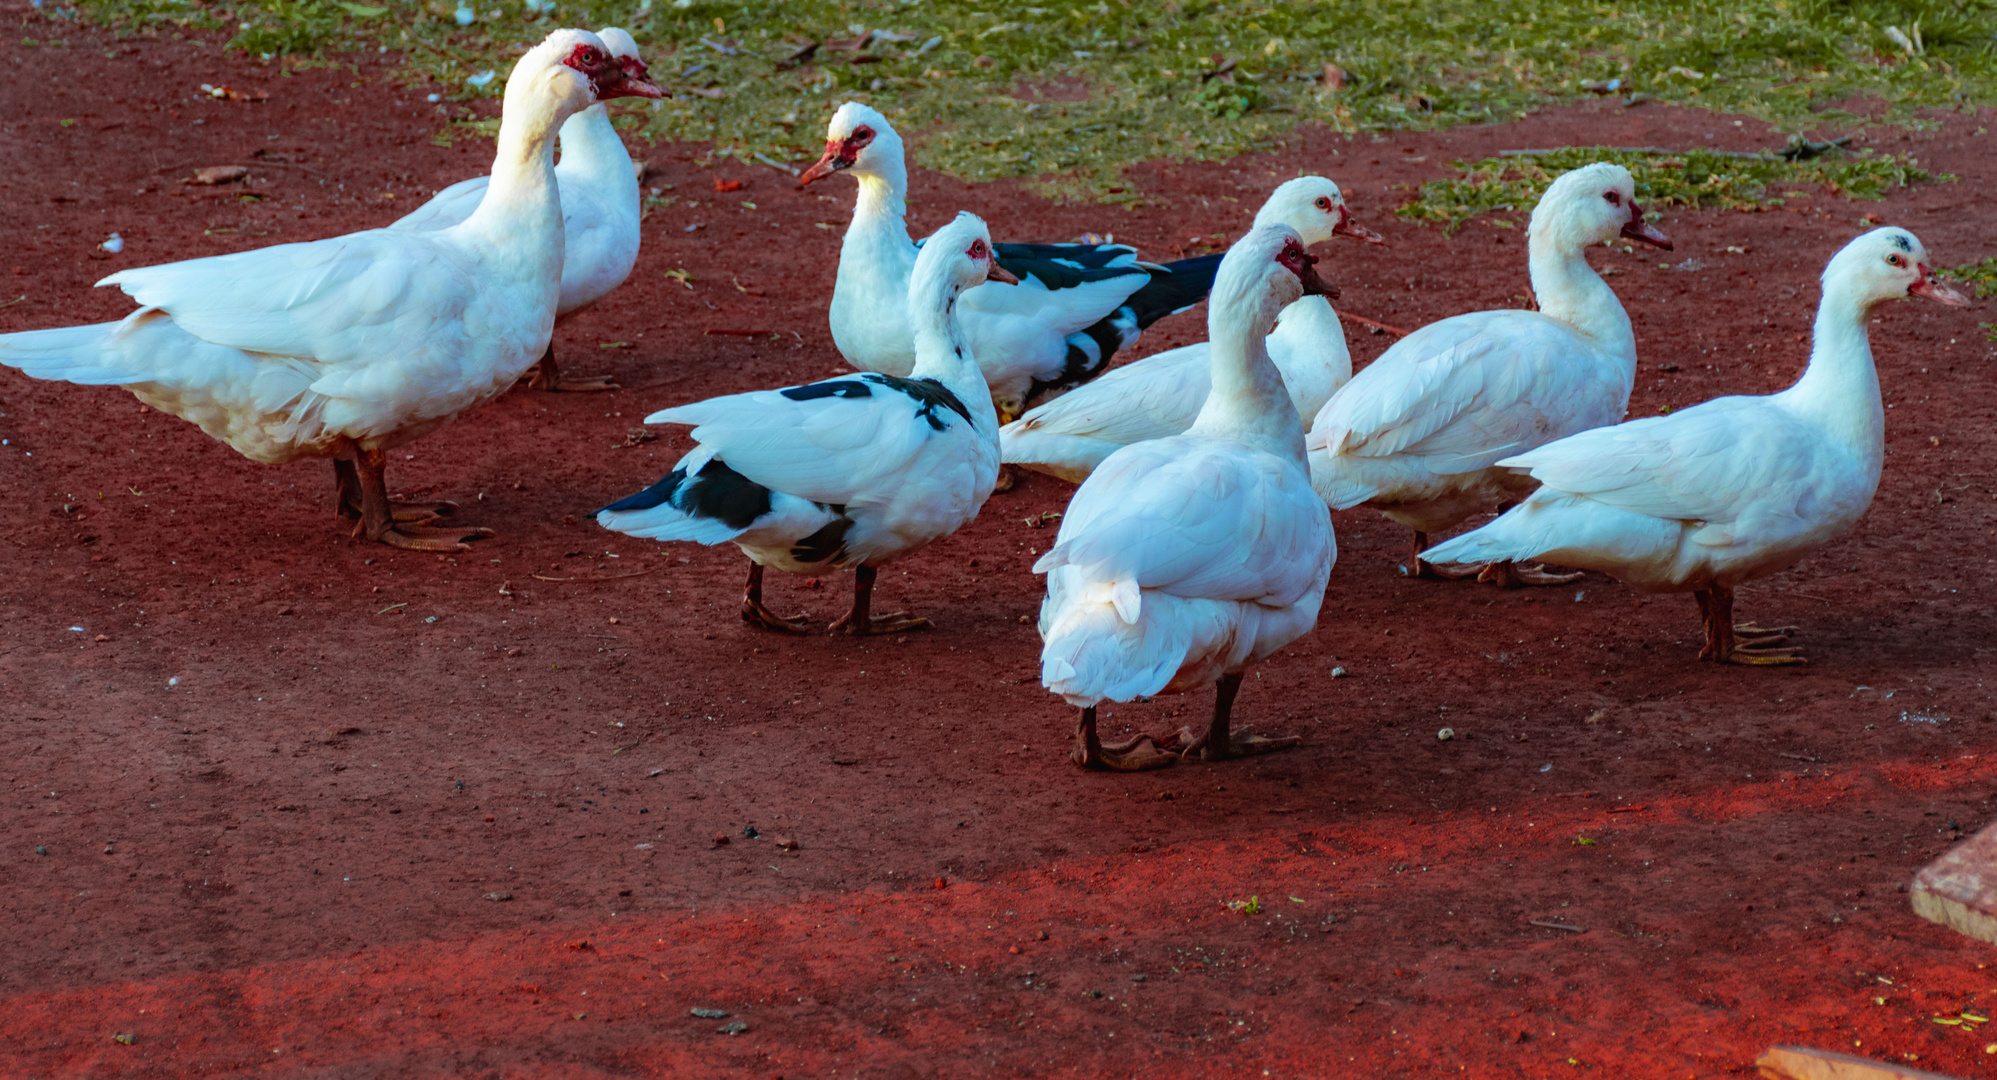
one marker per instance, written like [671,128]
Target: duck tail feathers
[95,355]
[1174,287]
[712,505]
[1495,542]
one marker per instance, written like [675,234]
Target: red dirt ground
[274,800]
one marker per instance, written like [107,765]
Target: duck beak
[1637,230]
[639,77]
[1000,273]
[626,85]
[1933,289]
[1315,285]
[1345,227]
[835,159]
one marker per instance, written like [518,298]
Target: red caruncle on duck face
[1302,263]
[840,154]
[981,252]
[612,76]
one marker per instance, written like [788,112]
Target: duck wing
[1197,518]
[836,441]
[368,296]
[1464,392]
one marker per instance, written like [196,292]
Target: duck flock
[1200,539]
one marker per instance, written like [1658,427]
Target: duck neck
[943,354]
[879,233]
[521,200]
[1840,388]
[591,148]
[1249,400]
[1570,290]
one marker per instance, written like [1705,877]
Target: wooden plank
[1959,890]
[1804,1063]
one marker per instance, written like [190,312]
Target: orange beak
[1637,230]
[1345,227]
[837,156]
[1933,289]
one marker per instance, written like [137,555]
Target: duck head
[1886,264]
[859,139]
[1592,205]
[625,48]
[961,253]
[1263,273]
[579,68]
[1315,208]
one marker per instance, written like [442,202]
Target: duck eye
[1895,260]
[862,134]
[1615,197]
[1324,202]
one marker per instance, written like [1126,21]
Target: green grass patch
[1700,178]
[1980,276]
[1080,88]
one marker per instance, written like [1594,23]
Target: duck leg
[1741,644]
[1219,743]
[755,614]
[379,522]
[861,619]
[347,499]
[1131,755]
[1007,475]
[544,375]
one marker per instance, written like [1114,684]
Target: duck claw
[1138,754]
[891,623]
[756,614]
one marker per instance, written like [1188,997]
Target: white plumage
[1074,305]
[344,347]
[1734,489]
[851,472]
[1162,393]
[1182,561]
[1418,433]
[600,211]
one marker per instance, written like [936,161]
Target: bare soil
[263,783]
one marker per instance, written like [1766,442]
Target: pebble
[786,843]
[1338,673]
[40,850]
[708,1014]
[1139,978]
[218,174]
[1446,734]
[499,897]
[735,1028]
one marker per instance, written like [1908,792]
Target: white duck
[1732,490]
[1162,393]
[345,347]
[1418,433]
[1074,306]
[1183,561]
[600,212]
[852,472]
